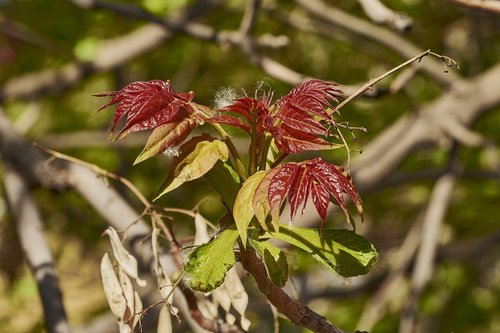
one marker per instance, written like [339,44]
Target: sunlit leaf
[340,250]
[296,121]
[208,263]
[243,207]
[196,164]
[260,201]
[293,141]
[274,259]
[147,105]
[167,136]
[311,97]
[322,181]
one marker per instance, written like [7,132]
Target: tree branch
[381,14]
[298,313]
[29,228]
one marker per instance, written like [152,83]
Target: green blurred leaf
[225,181]
[196,164]
[208,263]
[87,48]
[243,209]
[340,250]
[274,259]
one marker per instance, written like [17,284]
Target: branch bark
[298,313]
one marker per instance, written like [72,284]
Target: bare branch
[489,6]
[379,13]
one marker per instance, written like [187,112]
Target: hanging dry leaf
[128,292]
[126,261]
[112,288]
[164,321]
[232,293]
[201,235]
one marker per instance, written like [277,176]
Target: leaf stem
[238,163]
[253,149]
[264,151]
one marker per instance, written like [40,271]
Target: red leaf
[301,121]
[312,97]
[279,186]
[229,120]
[299,190]
[316,178]
[293,141]
[148,105]
[300,114]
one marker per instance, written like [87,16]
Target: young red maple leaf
[296,121]
[147,105]
[320,180]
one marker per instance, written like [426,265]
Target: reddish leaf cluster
[295,121]
[321,181]
[147,105]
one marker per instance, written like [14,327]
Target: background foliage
[463,294]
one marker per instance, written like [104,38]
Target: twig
[446,60]
[99,171]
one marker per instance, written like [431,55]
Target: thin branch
[448,62]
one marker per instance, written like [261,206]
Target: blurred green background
[463,295]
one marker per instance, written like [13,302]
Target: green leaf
[196,164]
[274,259]
[340,250]
[208,263]
[243,208]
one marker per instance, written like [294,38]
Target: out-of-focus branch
[298,313]
[438,205]
[380,13]
[489,6]
[463,103]
[380,35]
[29,228]
[113,53]
[399,261]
